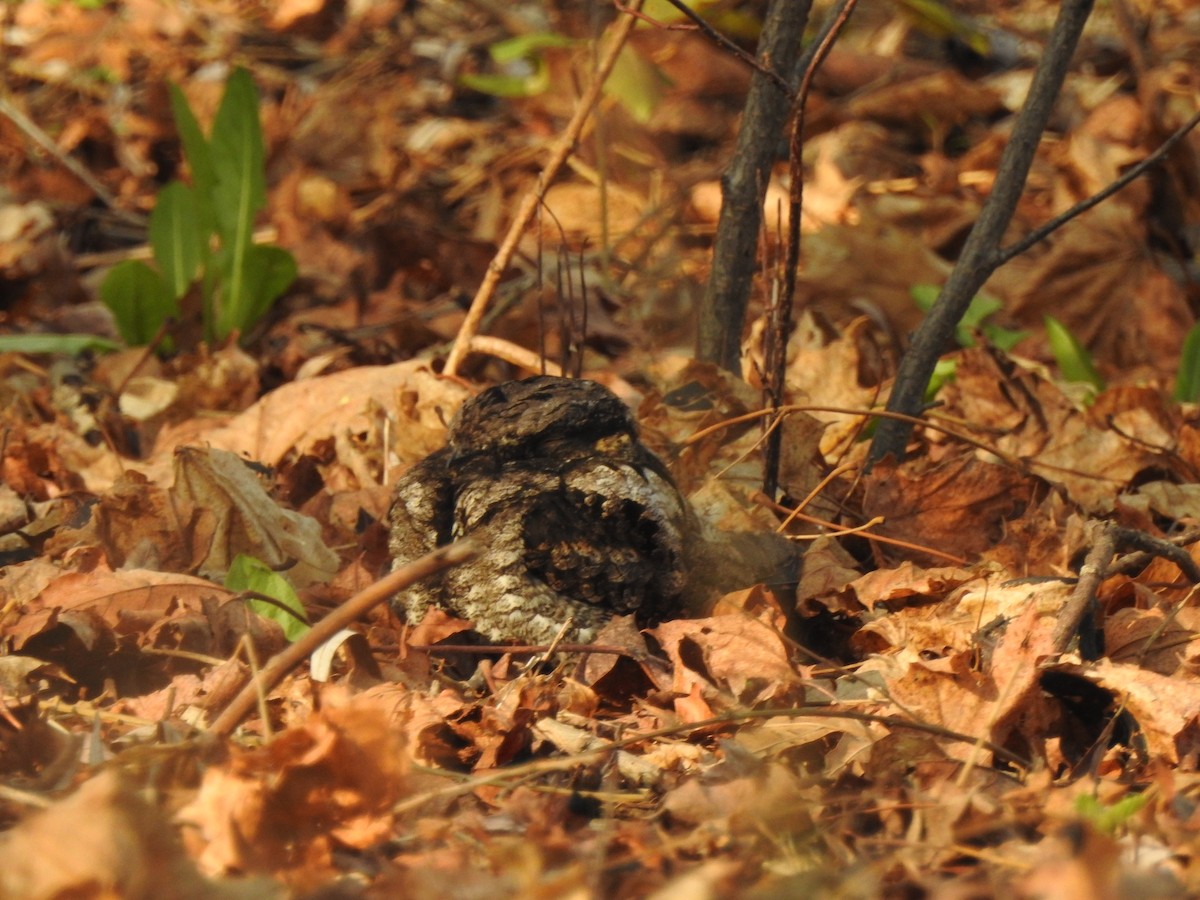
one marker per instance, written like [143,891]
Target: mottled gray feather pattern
[576,518]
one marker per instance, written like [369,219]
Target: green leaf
[924,295]
[241,189]
[508,87]
[1109,818]
[525,46]
[179,245]
[637,84]
[199,156]
[944,371]
[1187,381]
[1072,357]
[524,71]
[139,299]
[982,307]
[249,574]
[1003,338]
[267,272]
[70,344]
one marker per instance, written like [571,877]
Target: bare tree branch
[977,261]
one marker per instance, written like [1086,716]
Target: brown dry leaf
[843,372]
[41,461]
[827,196]
[952,693]
[1166,498]
[936,630]
[27,244]
[1165,707]
[1091,453]
[1099,281]
[106,841]
[405,398]
[237,516]
[112,596]
[958,506]
[873,262]
[946,97]
[734,653]
[827,570]
[1158,641]
[135,526]
[906,581]
[208,693]
[1079,863]
[771,795]
[572,214]
[285,808]
[826,744]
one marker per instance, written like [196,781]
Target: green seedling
[203,233]
[70,344]
[1187,380]
[1072,357]
[1108,819]
[252,575]
[974,320]
[522,71]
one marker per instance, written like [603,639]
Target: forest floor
[985,682]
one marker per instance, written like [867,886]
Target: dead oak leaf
[1165,707]
[236,516]
[286,807]
[958,505]
[729,653]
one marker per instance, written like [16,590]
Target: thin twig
[821,711]
[1148,543]
[618,34]
[35,133]
[1093,571]
[515,354]
[716,37]
[973,267]
[1004,254]
[781,316]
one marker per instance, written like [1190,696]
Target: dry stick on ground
[618,33]
[1093,571]
[977,261]
[43,140]
[1098,565]
[780,327]
[285,661]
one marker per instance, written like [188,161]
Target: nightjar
[576,518]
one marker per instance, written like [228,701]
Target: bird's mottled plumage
[576,518]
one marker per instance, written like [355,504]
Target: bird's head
[543,417]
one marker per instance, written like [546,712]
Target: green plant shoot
[249,574]
[1187,380]
[205,232]
[1072,357]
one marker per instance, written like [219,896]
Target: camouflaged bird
[577,520]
